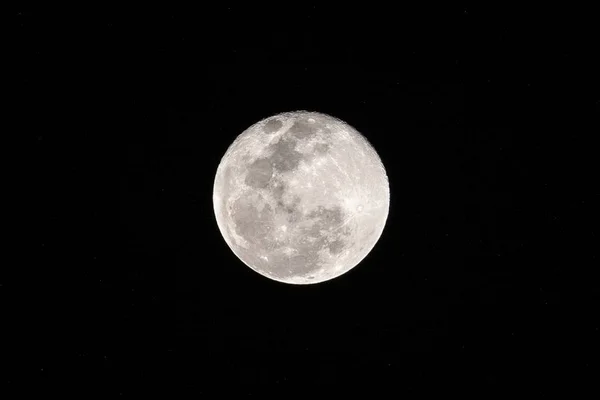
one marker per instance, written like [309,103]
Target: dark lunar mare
[272,126]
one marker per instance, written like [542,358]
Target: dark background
[485,272]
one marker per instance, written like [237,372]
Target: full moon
[301,197]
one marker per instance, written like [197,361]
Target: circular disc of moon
[301,197]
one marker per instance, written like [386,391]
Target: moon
[301,197]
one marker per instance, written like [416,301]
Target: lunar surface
[301,197]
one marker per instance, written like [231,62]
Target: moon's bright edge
[301,197]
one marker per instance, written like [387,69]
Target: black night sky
[484,275]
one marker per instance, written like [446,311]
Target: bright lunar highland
[301,197]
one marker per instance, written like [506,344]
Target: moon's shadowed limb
[301,197]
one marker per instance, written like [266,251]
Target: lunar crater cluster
[301,197]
